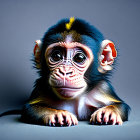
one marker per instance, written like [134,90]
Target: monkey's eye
[79,58]
[56,56]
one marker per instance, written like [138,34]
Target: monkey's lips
[68,92]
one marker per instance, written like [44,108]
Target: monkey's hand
[106,115]
[55,117]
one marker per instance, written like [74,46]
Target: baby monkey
[74,62]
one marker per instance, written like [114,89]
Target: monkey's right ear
[37,53]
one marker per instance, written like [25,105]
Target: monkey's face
[68,58]
[68,62]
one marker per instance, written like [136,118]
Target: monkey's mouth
[68,92]
[67,87]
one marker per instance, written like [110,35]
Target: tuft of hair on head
[69,25]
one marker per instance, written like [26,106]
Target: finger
[74,119]
[93,118]
[68,120]
[67,117]
[106,117]
[113,118]
[119,120]
[52,118]
[60,118]
[99,116]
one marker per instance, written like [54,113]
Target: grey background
[23,22]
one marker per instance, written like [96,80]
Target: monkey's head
[72,55]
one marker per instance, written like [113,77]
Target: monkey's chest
[79,108]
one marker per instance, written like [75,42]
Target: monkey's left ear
[106,56]
[37,52]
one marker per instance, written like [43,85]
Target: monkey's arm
[38,111]
[110,108]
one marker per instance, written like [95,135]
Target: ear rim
[106,42]
[103,68]
[37,52]
[37,46]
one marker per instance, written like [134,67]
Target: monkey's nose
[65,73]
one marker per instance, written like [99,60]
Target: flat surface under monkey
[12,129]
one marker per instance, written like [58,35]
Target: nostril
[61,72]
[65,73]
[69,73]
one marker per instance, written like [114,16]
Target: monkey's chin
[68,92]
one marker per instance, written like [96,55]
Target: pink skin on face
[67,76]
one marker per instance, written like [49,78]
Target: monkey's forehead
[71,36]
[67,45]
